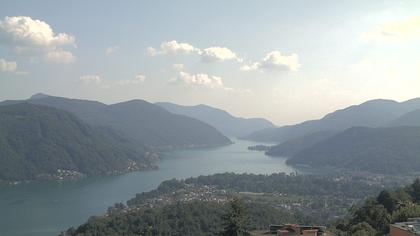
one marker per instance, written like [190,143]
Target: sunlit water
[45,209]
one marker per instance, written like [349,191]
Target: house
[408,228]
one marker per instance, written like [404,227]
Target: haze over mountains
[374,113]
[380,136]
[229,125]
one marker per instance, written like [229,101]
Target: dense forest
[375,215]
[390,150]
[180,219]
[38,142]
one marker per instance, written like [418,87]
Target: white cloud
[90,79]
[138,79]
[9,66]
[218,54]
[59,56]
[395,31]
[112,49]
[201,79]
[275,60]
[26,31]
[211,54]
[172,47]
[34,36]
[207,81]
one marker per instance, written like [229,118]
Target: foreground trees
[236,221]
[375,215]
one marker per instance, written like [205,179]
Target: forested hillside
[38,142]
[392,150]
[141,121]
[375,215]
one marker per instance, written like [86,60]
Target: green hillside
[393,150]
[38,142]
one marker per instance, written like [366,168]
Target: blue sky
[287,61]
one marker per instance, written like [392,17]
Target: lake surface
[43,209]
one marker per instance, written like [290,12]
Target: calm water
[45,209]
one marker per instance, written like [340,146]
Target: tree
[415,191]
[385,198]
[362,229]
[372,213]
[236,220]
[405,212]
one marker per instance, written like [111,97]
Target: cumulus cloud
[9,66]
[211,54]
[218,54]
[27,31]
[275,60]
[35,36]
[112,49]
[171,48]
[138,79]
[395,31]
[201,79]
[90,79]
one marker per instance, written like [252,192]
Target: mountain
[294,146]
[391,150]
[373,113]
[38,142]
[408,119]
[229,125]
[141,121]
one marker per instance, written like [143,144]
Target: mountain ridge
[139,120]
[372,113]
[222,120]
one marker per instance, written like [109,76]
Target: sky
[287,61]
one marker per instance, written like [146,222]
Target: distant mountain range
[381,136]
[140,121]
[39,142]
[389,150]
[229,125]
[374,113]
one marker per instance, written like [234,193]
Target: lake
[43,209]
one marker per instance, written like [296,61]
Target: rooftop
[412,225]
